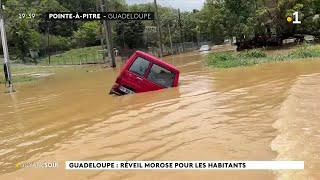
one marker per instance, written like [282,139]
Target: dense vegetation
[217,20]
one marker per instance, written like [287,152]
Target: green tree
[129,33]
[22,35]
[25,39]
[169,16]
[58,28]
[227,18]
[78,5]
[118,5]
[213,21]
[88,34]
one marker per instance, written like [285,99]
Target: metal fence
[59,57]
[73,60]
[177,48]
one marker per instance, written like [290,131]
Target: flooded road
[266,112]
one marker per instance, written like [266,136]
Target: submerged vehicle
[144,72]
[205,48]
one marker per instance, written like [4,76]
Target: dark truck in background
[260,41]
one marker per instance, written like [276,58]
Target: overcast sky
[184,5]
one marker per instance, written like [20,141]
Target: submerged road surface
[266,112]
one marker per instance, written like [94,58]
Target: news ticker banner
[183,165]
[99,16]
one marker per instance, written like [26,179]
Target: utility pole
[181,33]
[158,28]
[49,50]
[170,38]
[106,23]
[5,51]
[124,42]
[198,35]
[101,32]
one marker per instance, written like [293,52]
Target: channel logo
[38,165]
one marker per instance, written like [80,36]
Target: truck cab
[144,72]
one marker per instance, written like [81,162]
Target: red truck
[144,72]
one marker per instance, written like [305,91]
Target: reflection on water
[266,112]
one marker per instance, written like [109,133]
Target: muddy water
[266,112]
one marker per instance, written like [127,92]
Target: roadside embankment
[257,56]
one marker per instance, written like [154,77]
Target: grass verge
[256,56]
[75,56]
[27,73]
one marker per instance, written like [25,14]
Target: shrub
[256,53]
[55,43]
[88,34]
[252,57]
[305,51]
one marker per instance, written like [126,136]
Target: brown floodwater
[265,112]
